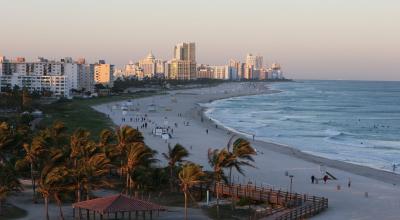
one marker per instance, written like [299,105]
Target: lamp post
[291,183]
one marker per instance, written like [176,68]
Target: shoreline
[181,111]
[366,171]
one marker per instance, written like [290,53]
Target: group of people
[314,180]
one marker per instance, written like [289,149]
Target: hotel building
[152,67]
[103,73]
[183,66]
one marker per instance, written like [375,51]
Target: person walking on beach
[325,179]
[312,179]
[206,131]
[349,183]
[253,137]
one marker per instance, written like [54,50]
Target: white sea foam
[351,121]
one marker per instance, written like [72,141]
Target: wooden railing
[297,205]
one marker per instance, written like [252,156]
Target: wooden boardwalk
[297,206]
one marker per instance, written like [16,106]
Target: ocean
[352,121]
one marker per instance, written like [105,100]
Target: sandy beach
[180,110]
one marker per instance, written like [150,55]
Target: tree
[89,164]
[125,136]
[6,140]
[79,142]
[8,182]
[32,156]
[137,154]
[190,175]
[241,155]
[53,179]
[218,160]
[173,156]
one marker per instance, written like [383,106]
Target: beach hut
[116,207]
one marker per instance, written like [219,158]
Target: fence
[298,206]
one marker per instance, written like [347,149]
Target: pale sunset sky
[312,39]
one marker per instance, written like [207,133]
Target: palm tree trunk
[230,189]
[88,193]
[186,212]
[1,206]
[33,185]
[127,184]
[60,208]
[46,207]
[170,179]
[217,191]
[78,192]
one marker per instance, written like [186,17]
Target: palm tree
[174,155]
[125,136]
[52,179]
[242,153]
[89,164]
[96,167]
[137,154]
[190,175]
[79,144]
[218,160]
[33,152]
[8,182]
[6,139]
[104,143]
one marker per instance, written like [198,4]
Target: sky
[311,39]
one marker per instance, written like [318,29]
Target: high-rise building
[275,72]
[103,73]
[183,66]
[181,69]
[255,61]
[253,66]
[205,72]
[185,51]
[236,70]
[221,72]
[130,69]
[148,65]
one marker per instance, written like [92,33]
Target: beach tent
[166,136]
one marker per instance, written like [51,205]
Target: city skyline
[312,39]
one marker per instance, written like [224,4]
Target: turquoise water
[353,121]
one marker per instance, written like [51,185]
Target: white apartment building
[254,61]
[275,72]
[58,77]
[220,72]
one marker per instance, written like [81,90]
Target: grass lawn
[77,113]
[11,212]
